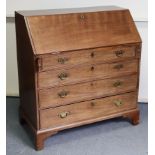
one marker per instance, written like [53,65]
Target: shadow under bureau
[76,66]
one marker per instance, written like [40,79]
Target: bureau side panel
[26,72]
[138,55]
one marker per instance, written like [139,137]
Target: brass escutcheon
[119,53]
[82,17]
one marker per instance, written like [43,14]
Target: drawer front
[74,113]
[86,73]
[75,93]
[69,59]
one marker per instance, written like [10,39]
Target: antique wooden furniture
[76,66]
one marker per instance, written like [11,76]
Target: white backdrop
[137,7]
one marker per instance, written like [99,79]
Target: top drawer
[73,58]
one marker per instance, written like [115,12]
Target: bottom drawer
[69,114]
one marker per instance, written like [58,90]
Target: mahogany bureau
[76,66]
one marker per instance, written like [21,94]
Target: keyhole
[92,84]
[92,103]
[92,68]
[92,54]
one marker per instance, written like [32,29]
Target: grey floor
[111,137]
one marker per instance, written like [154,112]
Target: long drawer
[79,92]
[73,58]
[78,112]
[86,73]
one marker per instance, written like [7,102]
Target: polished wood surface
[84,73]
[86,110]
[81,30]
[26,72]
[97,55]
[76,67]
[84,91]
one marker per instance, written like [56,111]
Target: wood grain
[26,71]
[86,110]
[85,91]
[94,55]
[86,73]
[81,30]
[76,68]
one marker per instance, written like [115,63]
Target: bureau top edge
[68,10]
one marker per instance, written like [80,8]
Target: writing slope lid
[72,31]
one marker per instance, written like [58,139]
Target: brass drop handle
[63,94]
[64,114]
[119,53]
[62,76]
[118,66]
[117,84]
[62,60]
[118,103]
